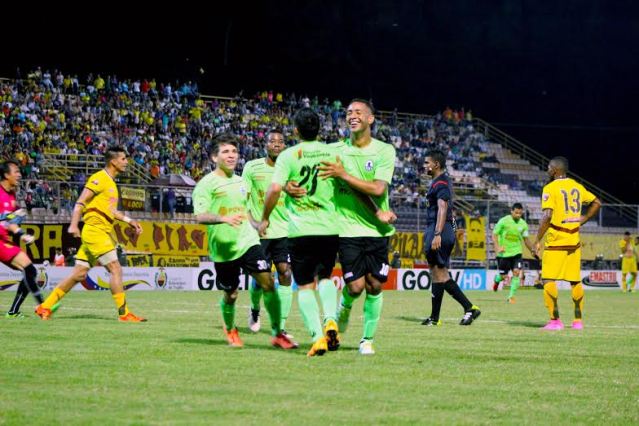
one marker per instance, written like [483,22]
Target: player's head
[115,156]
[58,250]
[224,152]
[307,124]
[517,211]
[435,162]
[558,166]
[626,236]
[275,143]
[10,170]
[360,115]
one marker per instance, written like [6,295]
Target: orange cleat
[282,340]
[130,317]
[332,335]
[43,313]
[233,337]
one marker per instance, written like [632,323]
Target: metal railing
[63,166]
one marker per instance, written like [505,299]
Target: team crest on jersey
[369,165]
[545,197]
[243,191]
[95,182]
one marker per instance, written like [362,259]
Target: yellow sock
[578,299]
[55,296]
[624,284]
[550,298]
[120,303]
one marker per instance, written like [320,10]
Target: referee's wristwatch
[438,233]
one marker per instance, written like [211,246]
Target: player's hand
[74,231]
[582,220]
[499,249]
[261,228]
[27,238]
[386,216]
[537,249]
[328,169]
[235,220]
[293,189]
[138,228]
[437,242]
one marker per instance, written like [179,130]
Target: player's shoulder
[98,177]
[383,147]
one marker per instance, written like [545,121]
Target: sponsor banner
[176,261]
[420,279]
[592,280]
[132,198]
[475,238]
[138,260]
[409,245]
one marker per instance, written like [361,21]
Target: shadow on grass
[411,319]
[529,324]
[86,317]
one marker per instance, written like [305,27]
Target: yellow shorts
[628,264]
[561,265]
[95,244]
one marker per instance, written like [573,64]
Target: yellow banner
[410,245]
[164,238]
[138,260]
[135,194]
[475,238]
[176,261]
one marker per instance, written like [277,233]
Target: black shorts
[507,264]
[276,250]
[362,255]
[228,273]
[439,257]
[312,256]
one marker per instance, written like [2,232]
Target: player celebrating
[561,203]
[10,254]
[258,174]
[220,200]
[366,166]
[312,232]
[97,205]
[508,235]
[439,240]
[628,262]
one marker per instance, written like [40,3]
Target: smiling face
[359,117]
[226,157]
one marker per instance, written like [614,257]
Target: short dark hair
[517,206]
[112,152]
[626,233]
[307,123]
[562,162]
[5,167]
[438,156]
[275,130]
[369,104]
[222,139]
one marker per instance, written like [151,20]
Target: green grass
[84,367]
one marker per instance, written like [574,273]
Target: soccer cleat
[431,322]
[287,334]
[332,335]
[17,315]
[254,320]
[131,317]
[282,340]
[577,325]
[495,286]
[554,325]
[43,313]
[511,300]
[470,316]
[366,347]
[319,348]
[233,337]
[343,316]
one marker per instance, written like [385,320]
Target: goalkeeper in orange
[98,207]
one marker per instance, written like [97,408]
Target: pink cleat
[577,325]
[555,324]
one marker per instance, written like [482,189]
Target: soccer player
[220,200]
[11,255]
[628,262]
[439,240]
[365,166]
[312,231]
[97,205]
[258,174]
[561,202]
[508,235]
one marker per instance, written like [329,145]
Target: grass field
[86,368]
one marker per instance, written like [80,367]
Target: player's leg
[111,263]
[573,275]
[624,274]
[255,294]
[279,254]
[502,266]
[228,279]
[21,294]
[351,256]
[326,255]
[439,275]
[518,273]
[632,282]
[551,270]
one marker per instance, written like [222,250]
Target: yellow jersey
[564,197]
[627,248]
[99,212]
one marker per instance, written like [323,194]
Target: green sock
[255,291]
[310,313]
[498,278]
[347,300]
[328,297]
[514,285]
[372,312]
[228,314]
[274,309]
[286,299]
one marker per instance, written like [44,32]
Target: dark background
[561,76]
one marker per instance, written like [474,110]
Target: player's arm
[544,224]
[530,245]
[498,248]
[202,205]
[85,198]
[375,188]
[442,209]
[118,215]
[593,208]
[270,201]
[11,222]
